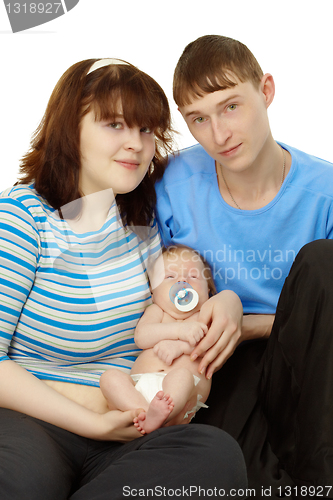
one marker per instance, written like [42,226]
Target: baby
[163,378]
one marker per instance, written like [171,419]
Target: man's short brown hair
[209,63]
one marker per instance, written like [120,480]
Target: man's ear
[267,88]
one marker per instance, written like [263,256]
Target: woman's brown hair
[53,163]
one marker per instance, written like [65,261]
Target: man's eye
[116,125]
[232,107]
[200,119]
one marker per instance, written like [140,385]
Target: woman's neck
[94,209]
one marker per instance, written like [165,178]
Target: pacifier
[183,296]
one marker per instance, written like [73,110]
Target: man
[249,204]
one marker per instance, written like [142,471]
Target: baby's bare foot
[159,409]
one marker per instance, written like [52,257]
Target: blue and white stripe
[69,303]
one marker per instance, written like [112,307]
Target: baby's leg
[119,391]
[179,383]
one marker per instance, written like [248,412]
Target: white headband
[105,62]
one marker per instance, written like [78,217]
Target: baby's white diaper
[148,384]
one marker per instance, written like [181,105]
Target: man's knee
[316,252]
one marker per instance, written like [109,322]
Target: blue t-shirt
[250,251]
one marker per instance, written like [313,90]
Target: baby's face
[181,266]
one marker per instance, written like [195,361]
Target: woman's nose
[133,140]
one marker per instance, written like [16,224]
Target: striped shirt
[69,303]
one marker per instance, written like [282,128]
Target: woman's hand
[223,313]
[21,391]
[117,426]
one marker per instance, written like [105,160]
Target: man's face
[232,124]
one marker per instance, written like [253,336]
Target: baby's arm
[169,350]
[151,329]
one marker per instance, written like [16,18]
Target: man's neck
[258,184]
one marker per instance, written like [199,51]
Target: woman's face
[113,155]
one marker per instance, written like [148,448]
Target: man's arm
[257,326]
[228,328]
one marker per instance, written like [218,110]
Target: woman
[73,286]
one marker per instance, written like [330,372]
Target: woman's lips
[130,164]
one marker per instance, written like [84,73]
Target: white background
[291,39]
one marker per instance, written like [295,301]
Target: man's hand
[224,314]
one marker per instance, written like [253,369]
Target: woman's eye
[146,130]
[232,107]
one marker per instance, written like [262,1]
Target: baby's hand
[169,350]
[192,331]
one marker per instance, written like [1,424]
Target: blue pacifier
[183,296]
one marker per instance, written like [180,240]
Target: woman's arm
[150,330]
[19,389]
[23,392]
